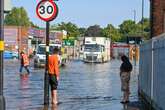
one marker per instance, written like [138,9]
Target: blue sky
[89,12]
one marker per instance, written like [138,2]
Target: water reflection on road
[81,87]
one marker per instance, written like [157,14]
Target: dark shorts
[53,82]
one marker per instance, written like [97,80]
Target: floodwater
[82,87]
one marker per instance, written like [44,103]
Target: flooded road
[81,87]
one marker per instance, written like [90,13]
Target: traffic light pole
[2,99]
[46,83]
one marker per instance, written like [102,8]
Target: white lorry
[96,49]
[40,57]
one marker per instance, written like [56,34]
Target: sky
[85,13]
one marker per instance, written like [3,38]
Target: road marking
[1,45]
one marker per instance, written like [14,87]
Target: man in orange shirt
[54,74]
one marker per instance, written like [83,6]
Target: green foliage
[17,17]
[128,28]
[82,31]
[111,32]
[34,25]
[146,28]
[72,29]
[94,31]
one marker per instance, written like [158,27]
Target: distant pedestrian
[54,63]
[24,62]
[125,74]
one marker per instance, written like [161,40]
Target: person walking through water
[24,62]
[125,74]
[53,70]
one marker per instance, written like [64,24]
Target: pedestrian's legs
[20,70]
[27,69]
[54,97]
[124,96]
[127,96]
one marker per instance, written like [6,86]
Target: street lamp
[2,99]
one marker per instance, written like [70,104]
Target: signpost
[47,11]
[2,99]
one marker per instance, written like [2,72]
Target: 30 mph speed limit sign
[47,10]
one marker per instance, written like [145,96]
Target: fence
[152,74]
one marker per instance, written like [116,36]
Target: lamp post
[2,99]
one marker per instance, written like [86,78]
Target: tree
[17,17]
[111,32]
[94,31]
[128,28]
[146,27]
[82,31]
[72,29]
[34,25]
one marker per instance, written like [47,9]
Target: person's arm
[57,70]
[121,69]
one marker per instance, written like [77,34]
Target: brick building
[157,17]
[15,37]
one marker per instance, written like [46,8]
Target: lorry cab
[94,53]
[96,49]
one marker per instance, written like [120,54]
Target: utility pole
[134,16]
[142,18]
[2,98]
[46,83]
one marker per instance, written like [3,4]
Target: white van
[40,57]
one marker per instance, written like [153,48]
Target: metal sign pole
[46,84]
[47,10]
[2,99]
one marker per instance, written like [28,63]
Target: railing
[152,72]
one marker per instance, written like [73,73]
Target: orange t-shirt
[53,65]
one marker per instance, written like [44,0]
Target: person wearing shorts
[125,74]
[54,75]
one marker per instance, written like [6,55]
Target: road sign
[68,42]
[47,10]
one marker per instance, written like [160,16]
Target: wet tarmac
[82,87]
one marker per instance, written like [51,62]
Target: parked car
[10,55]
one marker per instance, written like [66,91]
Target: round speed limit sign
[47,10]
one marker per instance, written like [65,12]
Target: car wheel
[14,58]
